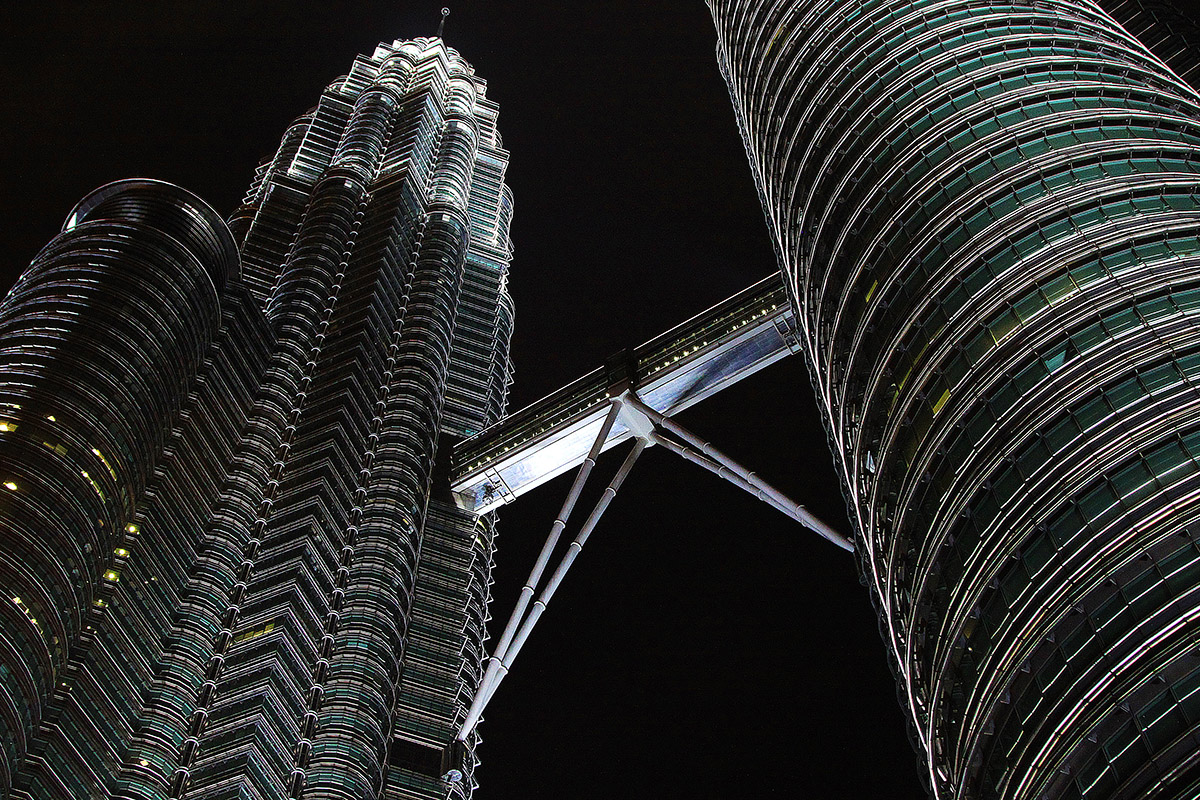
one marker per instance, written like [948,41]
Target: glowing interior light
[111,575]
[104,461]
[7,426]
[51,418]
[121,552]
[92,481]
[10,485]
[17,600]
[131,528]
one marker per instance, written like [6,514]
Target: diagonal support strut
[720,464]
[500,653]
[560,572]
[647,426]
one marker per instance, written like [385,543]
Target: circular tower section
[99,340]
[989,221]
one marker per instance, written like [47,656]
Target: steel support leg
[642,423]
[482,693]
[688,454]
[729,467]
[573,551]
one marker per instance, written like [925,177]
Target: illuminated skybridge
[632,397]
[679,368]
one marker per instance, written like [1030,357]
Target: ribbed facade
[235,569]
[989,218]
[98,343]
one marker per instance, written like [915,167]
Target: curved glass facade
[989,217]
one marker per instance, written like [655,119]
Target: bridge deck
[717,348]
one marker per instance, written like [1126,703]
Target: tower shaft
[286,602]
[990,215]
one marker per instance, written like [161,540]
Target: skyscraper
[235,568]
[990,222]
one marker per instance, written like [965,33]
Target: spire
[442,24]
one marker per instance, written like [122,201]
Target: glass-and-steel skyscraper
[988,215]
[231,560]
[233,564]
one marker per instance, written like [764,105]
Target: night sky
[704,645]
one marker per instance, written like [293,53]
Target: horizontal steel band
[989,214]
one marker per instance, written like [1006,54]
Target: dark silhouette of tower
[232,561]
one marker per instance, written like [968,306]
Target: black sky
[703,645]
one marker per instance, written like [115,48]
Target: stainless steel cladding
[990,220]
[99,341]
[236,567]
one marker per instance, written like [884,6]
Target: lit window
[51,418]
[104,461]
[131,528]
[10,485]
[112,575]
[92,481]
[28,613]
[254,634]
[7,427]
[121,552]
[941,401]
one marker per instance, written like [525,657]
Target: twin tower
[232,565]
